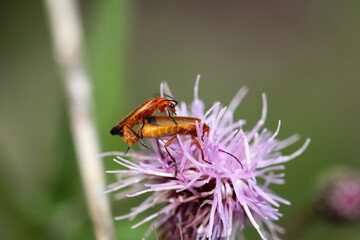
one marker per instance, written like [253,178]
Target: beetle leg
[173,120]
[127,150]
[202,137]
[158,145]
[137,135]
[198,145]
[140,137]
[143,144]
[172,117]
[142,128]
[172,158]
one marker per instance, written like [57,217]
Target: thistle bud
[338,197]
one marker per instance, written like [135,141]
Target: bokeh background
[304,54]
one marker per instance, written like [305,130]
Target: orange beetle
[125,127]
[163,126]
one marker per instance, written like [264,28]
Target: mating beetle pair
[159,126]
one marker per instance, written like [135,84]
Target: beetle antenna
[169,97]
[170,100]
[232,156]
[159,149]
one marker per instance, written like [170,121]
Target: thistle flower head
[338,195]
[212,199]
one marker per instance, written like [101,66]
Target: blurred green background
[304,54]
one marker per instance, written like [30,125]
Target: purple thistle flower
[209,201]
[338,195]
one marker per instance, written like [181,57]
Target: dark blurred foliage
[303,54]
